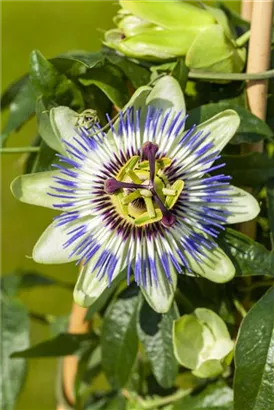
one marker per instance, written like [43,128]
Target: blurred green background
[52,27]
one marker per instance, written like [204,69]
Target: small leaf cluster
[130,347]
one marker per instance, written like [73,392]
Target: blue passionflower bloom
[139,197]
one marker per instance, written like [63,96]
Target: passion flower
[139,197]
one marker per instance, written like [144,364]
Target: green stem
[261,284]
[149,404]
[239,307]
[243,39]
[231,76]
[19,150]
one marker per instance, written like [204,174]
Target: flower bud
[213,51]
[202,343]
[172,14]
[160,30]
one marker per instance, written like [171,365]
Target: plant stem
[243,39]
[239,307]
[19,150]
[151,403]
[231,76]
[256,285]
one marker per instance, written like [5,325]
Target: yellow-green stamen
[141,192]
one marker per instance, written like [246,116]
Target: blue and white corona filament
[141,198]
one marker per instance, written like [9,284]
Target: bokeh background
[52,27]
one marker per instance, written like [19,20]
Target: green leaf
[62,345]
[119,338]
[45,129]
[14,336]
[10,93]
[254,365]
[136,74]
[180,73]
[10,284]
[252,129]
[74,62]
[110,81]
[155,332]
[252,169]
[235,17]
[21,109]
[250,258]
[270,202]
[21,279]
[216,396]
[47,81]
[45,157]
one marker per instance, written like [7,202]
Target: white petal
[160,295]
[214,266]
[244,206]
[89,288]
[63,121]
[33,188]
[49,247]
[166,95]
[93,280]
[222,127]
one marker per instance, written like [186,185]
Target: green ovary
[138,206]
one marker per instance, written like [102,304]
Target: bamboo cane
[246,9]
[258,60]
[77,325]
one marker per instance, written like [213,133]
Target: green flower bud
[202,343]
[171,14]
[212,50]
[157,44]
[130,24]
[163,30]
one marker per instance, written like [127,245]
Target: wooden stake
[78,325]
[258,60]
[246,9]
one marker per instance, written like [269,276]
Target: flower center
[141,192]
